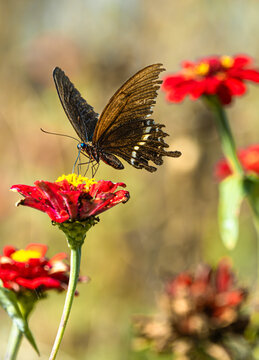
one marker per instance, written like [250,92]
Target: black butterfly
[124,128]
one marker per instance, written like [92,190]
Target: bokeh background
[170,222]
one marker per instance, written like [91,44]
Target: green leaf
[9,301]
[231,195]
[251,185]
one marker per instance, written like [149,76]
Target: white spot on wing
[145,137]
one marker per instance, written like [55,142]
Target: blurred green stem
[226,138]
[14,343]
[75,259]
[254,202]
[229,150]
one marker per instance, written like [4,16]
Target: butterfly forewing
[124,127]
[79,112]
[133,98]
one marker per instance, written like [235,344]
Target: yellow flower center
[76,180]
[25,255]
[202,69]
[226,61]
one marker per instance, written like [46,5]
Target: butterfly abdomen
[111,160]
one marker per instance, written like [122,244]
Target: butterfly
[124,128]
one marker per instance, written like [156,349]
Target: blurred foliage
[170,222]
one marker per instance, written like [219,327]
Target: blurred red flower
[196,311]
[249,159]
[211,292]
[72,197]
[29,269]
[223,76]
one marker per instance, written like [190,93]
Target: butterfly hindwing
[125,129]
[79,112]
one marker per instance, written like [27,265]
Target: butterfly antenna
[52,133]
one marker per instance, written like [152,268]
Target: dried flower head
[196,311]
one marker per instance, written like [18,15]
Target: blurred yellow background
[170,222]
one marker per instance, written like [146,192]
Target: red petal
[184,89]
[8,250]
[224,94]
[212,84]
[71,202]
[41,248]
[187,64]
[222,170]
[59,217]
[41,281]
[172,81]
[224,276]
[249,74]
[234,298]
[57,258]
[242,60]
[121,196]
[94,207]
[198,90]
[45,208]
[27,191]
[175,97]
[235,86]
[179,283]
[8,274]
[104,187]
[51,192]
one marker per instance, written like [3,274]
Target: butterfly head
[82,146]
[89,150]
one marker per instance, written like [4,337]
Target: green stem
[226,137]
[75,259]
[255,209]
[14,343]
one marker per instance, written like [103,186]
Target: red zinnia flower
[249,159]
[29,269]
[223,76]
[72,197]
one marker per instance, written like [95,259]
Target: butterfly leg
[95,168]
[77,160]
